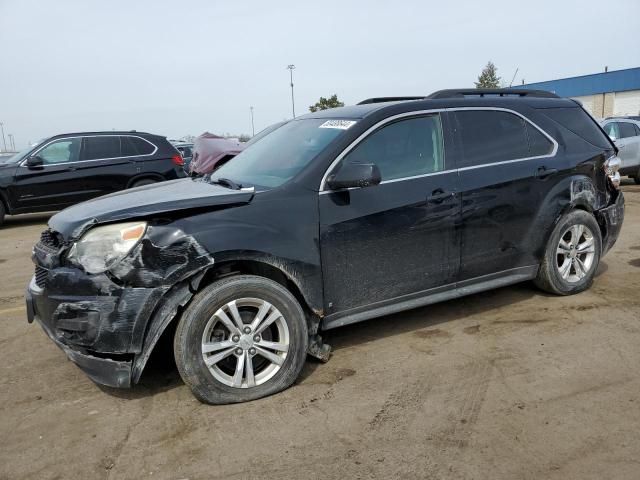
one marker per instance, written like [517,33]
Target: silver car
[625,132]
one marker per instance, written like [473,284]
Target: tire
[569,267]
[202,327]
[143,182]
[2,213]
[637,179]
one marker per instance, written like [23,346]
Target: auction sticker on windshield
[339,124]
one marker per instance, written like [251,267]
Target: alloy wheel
[575,253]
[245,342]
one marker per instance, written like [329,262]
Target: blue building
[603,94]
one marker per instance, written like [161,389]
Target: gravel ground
[507,384]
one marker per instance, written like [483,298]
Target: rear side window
[128,148]
[580,123]
[491,136]
[96,148]
[626,130]
[612,130]
[538,143]
[142,146]
[403,149]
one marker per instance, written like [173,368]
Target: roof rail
[482,92]
[389,99]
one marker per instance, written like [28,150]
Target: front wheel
[242,338]
[572,255]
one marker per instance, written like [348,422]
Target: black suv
[70,168]
[335,217]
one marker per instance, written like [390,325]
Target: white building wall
[587,103]
[627,103]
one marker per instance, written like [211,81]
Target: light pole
[293,105]
[4,143]
[12,144]
[253,129]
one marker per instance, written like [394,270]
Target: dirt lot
[502,385]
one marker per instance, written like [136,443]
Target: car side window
[626,130]
[96,148]
[61,151]
[538,143]
[142,146]
[612,130]
[637,129]
[489,136]
[405,148]
[128,149]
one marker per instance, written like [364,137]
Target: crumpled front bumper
[104,371]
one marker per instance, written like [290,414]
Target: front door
[54,184]
[397,238]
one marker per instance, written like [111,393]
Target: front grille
[50,239]
[41,276]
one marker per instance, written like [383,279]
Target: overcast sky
[183,67]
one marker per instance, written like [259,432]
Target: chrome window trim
[353,144]
[155,149]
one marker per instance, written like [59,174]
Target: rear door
[505,170]
[399,237]
[107,164]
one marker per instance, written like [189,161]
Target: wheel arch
[170,308]
[576,192]
[145,176]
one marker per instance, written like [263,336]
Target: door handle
[439,196]
[544,172]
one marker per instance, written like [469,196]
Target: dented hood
[158,198]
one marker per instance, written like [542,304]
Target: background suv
[66,169]
[625,132]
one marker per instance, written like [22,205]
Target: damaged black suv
[336,217]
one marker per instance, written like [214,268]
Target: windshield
[282,154]
[16,157]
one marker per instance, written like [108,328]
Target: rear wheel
[143,182]
[572,255]
[242,338]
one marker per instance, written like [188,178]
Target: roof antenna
[514,77]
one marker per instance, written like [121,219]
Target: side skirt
[428,297]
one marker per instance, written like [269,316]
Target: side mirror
[354,175]
[34,161]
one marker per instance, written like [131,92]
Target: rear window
[101,147]
[580,123]
[627,130]
[491,136]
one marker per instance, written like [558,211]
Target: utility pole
[514,77]
[12,144]
[253,129]
[4,143]
[293,105]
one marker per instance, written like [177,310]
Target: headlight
[102,247]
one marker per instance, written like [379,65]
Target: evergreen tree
[488,78]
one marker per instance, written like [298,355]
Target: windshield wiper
[225,182]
